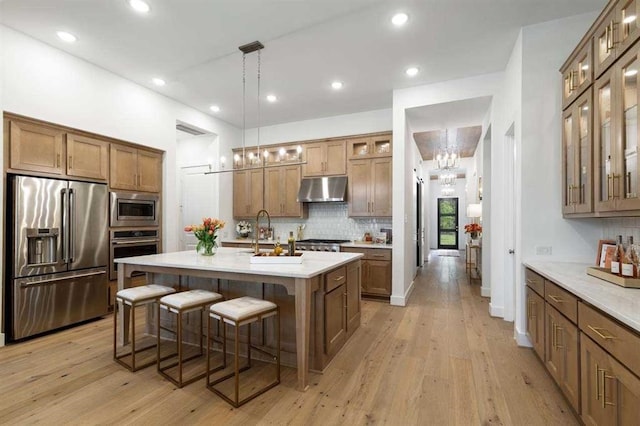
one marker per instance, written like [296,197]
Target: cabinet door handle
[569,194]
[57,160]
[344,298]
[71,161]
[556,298]
[558,345]
[340,278]
[628,182]
[616,194]
[609,187]
[597,382]
[605,376]
[599,331]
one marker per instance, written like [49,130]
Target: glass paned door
[630,126]
[448,223]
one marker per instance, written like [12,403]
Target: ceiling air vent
[189,130]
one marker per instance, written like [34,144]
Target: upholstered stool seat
[180,304]
[133,297]
[239,312]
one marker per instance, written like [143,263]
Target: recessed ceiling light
[65,36]
[158,81]
[139,6]
[214,108]
[411,71]
[399,19]
[337,85]
[272,98]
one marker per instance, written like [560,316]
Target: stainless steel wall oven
[134,209]
[128,243]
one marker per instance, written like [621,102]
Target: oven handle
[123,243]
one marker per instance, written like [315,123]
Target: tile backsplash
[625,226]
[330,221]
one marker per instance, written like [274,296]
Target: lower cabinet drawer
[335,278]
[562,300]
[616,339]
[535,281]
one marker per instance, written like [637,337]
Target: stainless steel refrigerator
[57,254]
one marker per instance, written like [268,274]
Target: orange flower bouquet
[473,229]
[207,235]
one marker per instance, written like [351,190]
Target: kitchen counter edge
[621,303]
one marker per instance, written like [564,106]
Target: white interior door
[198,199]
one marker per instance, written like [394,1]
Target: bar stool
[134,297]
[179,304]
[238,312]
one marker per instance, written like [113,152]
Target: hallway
[440,360]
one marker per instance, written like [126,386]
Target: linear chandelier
[447,179]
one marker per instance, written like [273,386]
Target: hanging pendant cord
[258,103]
[244,112]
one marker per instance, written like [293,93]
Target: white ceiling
[192,44]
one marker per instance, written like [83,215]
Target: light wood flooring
[440,360]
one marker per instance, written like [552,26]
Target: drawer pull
[340,278]
[377,255]
[599,332]
[556,298]
[597,382]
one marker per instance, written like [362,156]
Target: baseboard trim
[402,300]
[522,339]
[496,311]
[2,341]
[485,291]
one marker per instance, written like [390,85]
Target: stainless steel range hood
[323,189]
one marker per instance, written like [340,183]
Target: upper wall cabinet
[616,138]
[617,32]
[577,74]
[577,163]
[370,147]
[135,169]
[87,157]
[325,159]
[36,148]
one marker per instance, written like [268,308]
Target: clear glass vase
[205,248]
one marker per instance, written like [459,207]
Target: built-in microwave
[134,209]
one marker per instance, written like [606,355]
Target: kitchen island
[326,283]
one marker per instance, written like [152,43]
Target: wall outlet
[543,250]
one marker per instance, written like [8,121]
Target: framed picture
[606,249]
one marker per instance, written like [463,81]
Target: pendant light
[447,157]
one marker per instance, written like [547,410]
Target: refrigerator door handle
[65,228]
[72,225]
[44,280]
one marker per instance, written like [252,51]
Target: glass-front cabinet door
[583,189]
[568,161]
[603,134]
[576,156]
[628,194]
[604,47]
[577,75]
[626,24]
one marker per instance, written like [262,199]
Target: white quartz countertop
[362,244]
[357,244]
[236,260]
[619,302]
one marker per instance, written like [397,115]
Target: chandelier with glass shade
[447,179]
[447,157]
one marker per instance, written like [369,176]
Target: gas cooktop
[322,241]
[318,244]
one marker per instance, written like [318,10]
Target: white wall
[45,83]
[544,48]
[403,161]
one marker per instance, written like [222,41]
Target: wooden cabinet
[535,321]
[610,392]
[326,158]
[36,148]
[577,162]
[87,157]
[616,136]
[618,30]
[370,184]
[376,270]
[577,74]
[562,354]
[369,147]
[353,296]
[281,186]
[135,169]
[335,318]
[247,192]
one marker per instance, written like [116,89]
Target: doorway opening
[448,223]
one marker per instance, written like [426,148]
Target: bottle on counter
[617,258]
[291,242]
[628,266]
